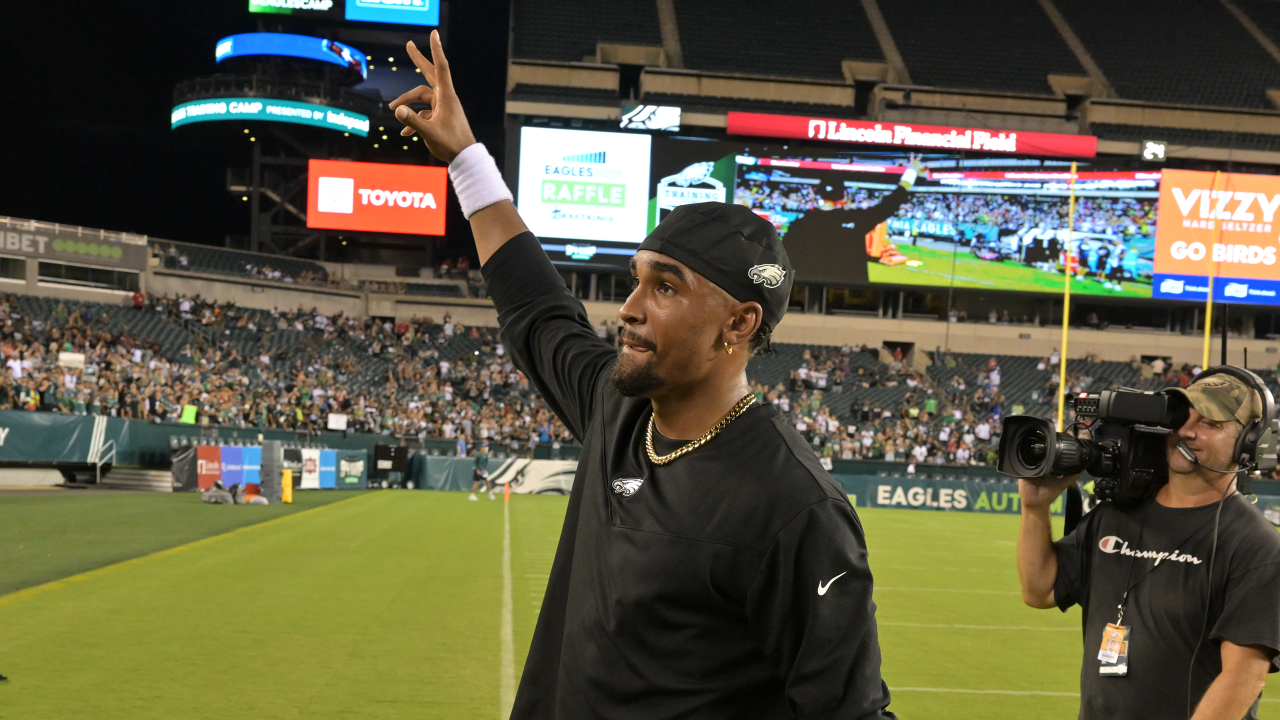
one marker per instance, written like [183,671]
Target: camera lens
[1033,448]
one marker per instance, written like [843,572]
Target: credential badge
[626,487]
[770,275]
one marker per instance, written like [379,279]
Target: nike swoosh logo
[822,589]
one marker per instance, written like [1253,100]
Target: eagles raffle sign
[1225,225]
[376,197]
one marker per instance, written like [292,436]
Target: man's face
[672,324]
[1212,442]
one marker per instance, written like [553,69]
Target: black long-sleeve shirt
[730,583]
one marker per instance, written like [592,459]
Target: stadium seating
[743,37]
[143,325]
[1176,136]
[709,104]
[1265,14]
[221,261]
[570,30]
[563,95]
[948,44]
[1174,51]
[245,367]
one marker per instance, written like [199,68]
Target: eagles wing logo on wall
[626,487]
[771,276]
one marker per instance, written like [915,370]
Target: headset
[1255,449]
[1255,452]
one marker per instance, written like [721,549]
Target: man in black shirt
[708,566]
[831,245]
[1154,561]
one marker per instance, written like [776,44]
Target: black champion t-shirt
[731,583]
[1164,554]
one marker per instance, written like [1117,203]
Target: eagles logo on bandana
[771,276]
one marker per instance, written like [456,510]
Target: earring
[728,348]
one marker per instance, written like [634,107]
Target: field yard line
[952,590]
[984,692]
[982,627]
[507,692]
[107,569]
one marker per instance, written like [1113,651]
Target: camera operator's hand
[1041,492]
[443,127]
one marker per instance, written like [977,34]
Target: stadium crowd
[277,369]
[911,421]
[421,379]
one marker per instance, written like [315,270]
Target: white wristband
[908,178]
[476,180]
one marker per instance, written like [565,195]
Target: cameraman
[1150,565]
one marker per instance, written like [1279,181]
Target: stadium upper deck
[1201,75]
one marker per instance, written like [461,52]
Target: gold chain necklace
[737,410]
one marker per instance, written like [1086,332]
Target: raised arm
[446,132]
[544,326]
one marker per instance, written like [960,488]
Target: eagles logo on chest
[626,487]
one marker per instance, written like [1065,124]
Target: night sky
[86,100]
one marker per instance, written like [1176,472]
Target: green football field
[972,272]
[398,604]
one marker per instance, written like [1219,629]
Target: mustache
[632,338]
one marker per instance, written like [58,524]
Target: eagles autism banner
[1225,225]
[911,493]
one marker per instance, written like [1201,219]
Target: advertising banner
[1223,225]
[583,184]
[251,462]
[310,469]
[232,465]
[376,197]
[312,8]
[400,12]
[353,469]
[912,135]
[208,465]
[328,469]
[285,111]
[72,244]
[301,46]
[182,463]
[942,495]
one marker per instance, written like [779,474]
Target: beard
[633,379]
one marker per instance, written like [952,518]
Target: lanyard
[1129,581]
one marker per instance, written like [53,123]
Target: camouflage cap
[1223,397]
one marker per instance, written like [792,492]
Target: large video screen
[301,46]
[994,223]
[583,184]
[376,197]
[851,222]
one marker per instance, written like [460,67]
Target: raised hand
[915,163]
[443,127]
